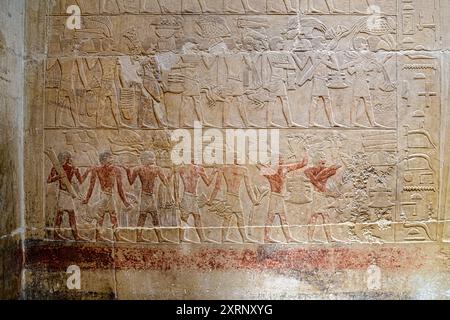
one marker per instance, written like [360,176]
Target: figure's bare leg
[57,228]
[162,8]
[355,112]
[270,111]
[311,7]
[370,114]
[247,7]
[199,112]
[199,229]
[116,112]
[157,225]
[369,5]
[225,228]
[332,8]
[327,229]
[241,227]
[140,227]
[269,223]
[73,107]
[226,114]
[108,104]
[73,226]
[182,231]
[182,118]
[98,234]
[204,7]
[287,112]
[289,7]
[313,110]
[115,227]
[160,119]
[243,114]
[286,229]
[329,113]
[312,227]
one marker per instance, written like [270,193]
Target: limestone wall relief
[353,86]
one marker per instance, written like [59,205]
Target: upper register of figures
[354,86]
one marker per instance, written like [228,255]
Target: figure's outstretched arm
[248,186]
[91,187]
[207,180]
[131,174]
[53,177]
[296,166]
[216,187]
[120,188]
[82,178]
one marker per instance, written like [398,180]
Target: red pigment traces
[59,257]
[53,257]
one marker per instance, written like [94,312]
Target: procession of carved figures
[360,144]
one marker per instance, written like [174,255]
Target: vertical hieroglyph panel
[301,125]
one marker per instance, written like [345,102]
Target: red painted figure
[277,181]
[148,174]
[318,176]
[108,176]
[65,202]
[190,176]
[233,176]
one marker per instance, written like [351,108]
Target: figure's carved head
[319,159]
[65,158]
[190,48]
[106,158]
[318,43]
[276,44]
[148,158]
[360,44]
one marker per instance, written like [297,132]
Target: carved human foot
[57,236]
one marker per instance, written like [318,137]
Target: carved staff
[62,174]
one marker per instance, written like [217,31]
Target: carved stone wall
[356,89]
[11,142]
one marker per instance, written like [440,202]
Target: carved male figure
[318,73]
[191,63]
[364,63]
[109,177]
[278,63]
[277,181]
[236,65]
[234,175]
[66,94]
[65,203]
[318,176]
[109,99]
[148,173]
[190,175]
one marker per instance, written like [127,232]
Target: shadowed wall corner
[11,146]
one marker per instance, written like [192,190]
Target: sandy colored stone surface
[11,145]
[356,90]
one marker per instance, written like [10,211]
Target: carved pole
[59,169]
